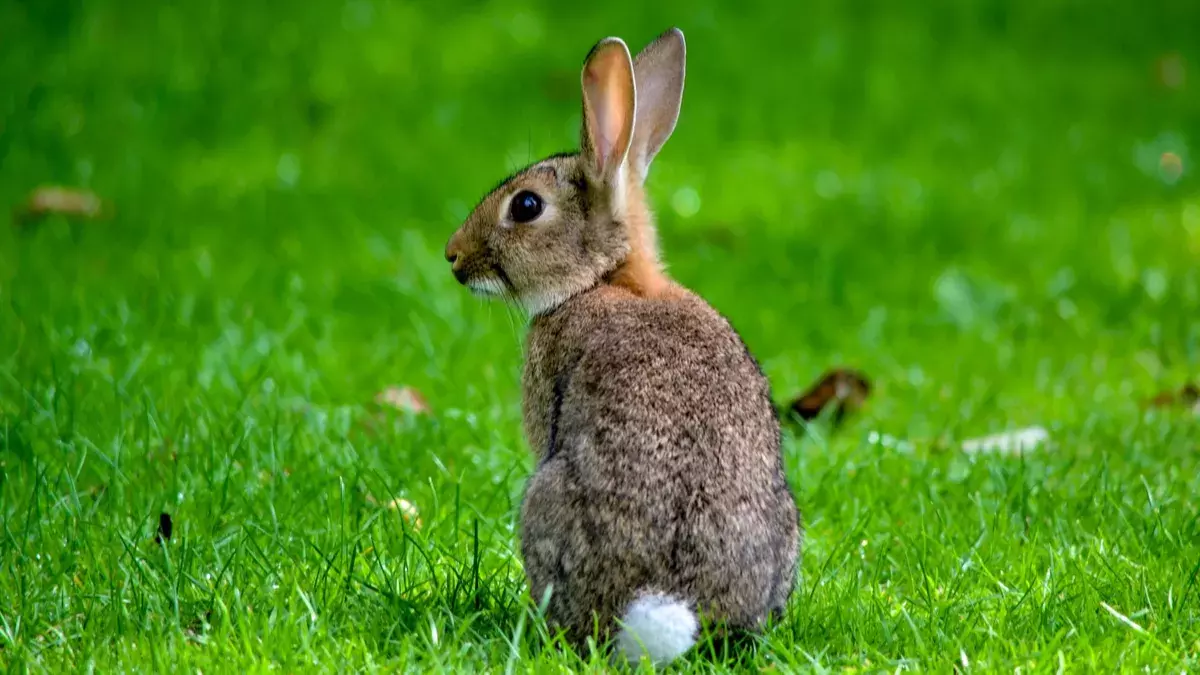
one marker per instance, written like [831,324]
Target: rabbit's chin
[534,302]
[487,287]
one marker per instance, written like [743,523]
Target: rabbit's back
[660,462]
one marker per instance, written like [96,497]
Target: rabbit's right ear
[609,103]
[658,71]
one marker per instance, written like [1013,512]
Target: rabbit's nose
[453,251]
[455,256]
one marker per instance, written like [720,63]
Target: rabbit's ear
[609,105]
[658,71]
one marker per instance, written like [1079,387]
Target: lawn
[991,209]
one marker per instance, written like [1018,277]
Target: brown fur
[659,457]
[641,273]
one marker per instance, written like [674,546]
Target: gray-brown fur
[659,459]
[659,463]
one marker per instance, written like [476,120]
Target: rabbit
[659,501]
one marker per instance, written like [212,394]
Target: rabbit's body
[659,464]
[659,495]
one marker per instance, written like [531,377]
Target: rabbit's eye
[526,206]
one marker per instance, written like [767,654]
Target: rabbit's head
[568,222]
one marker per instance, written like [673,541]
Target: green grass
[963,199]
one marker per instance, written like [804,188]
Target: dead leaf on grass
[50,200]
[845,388]
[1187,397]
[403,398]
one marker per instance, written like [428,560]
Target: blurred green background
[990,208]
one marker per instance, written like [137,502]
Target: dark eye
[526,206]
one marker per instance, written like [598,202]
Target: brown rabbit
[659,495]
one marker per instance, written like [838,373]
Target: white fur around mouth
[488,286]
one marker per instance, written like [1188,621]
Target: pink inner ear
[601,141]
[608,97]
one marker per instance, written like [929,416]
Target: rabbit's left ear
[658,72]
[609,107]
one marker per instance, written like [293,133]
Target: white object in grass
[1008,442]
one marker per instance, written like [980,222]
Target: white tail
[658,626]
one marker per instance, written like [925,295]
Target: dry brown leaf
[58,200]
[403,398]
[1187,397]
[845,388]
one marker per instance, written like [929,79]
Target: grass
[967,201]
